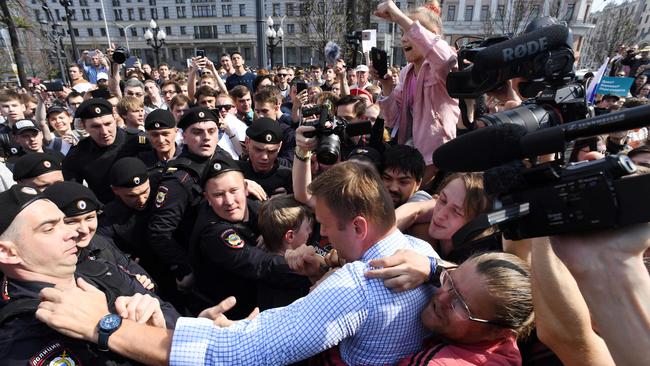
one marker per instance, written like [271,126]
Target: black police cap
[195,115]
[13,201]
[220,165]
[34,164]
[128,173]
[159,119]
[367,154]
[265,130]
[72,198]
[95,107]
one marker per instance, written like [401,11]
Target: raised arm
[301,171]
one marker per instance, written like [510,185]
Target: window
[103,32]
[130,13]
[569,11]
[374,26]
[90,32]
[289,9]
[291,28]
[168,31]
[501,12]
[485,10]
[469,13]
[227,29]
[134,32]
[180,1]
[74,14]
[165,12]
[304,28]
[121,32]
[180,11]
[83,2]
[243,29]
[76,32]
[183,30]
[154,13]
[100,16]
[152,2]
[451,13]
[242,10]
[118,14]
[116,2]
[141,13]
[203,11]
[85,13]
[58,14]
[226,10]
[205,32]
[276,10]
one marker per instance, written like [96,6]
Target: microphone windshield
[481,149]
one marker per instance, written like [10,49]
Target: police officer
[180,191]
[45,256]
[263,143]
[38,170]
[161,130]
[125,218]
[91,159]
[225,258]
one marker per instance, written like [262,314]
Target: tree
[323,21]
[511,18]
[617,28]
[9,17]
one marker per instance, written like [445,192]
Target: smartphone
[56,85]
[379,60]
[200,53]
[300,86]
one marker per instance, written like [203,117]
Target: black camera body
[550,199]
[120,55]
[330,131]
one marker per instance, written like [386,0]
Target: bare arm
[40,115]
[114,81]
[412,213]
[191,79]
[220,83]
[562,317]
[301,171]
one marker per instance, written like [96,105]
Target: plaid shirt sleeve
[334,311]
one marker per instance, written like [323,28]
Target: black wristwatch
[107,325]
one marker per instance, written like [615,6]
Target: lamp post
[155,38]
[274,37]
[126,35]
[55,36]
[68,15]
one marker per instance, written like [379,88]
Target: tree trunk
[15,44]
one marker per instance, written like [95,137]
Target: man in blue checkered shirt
[371,324]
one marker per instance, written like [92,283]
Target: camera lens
[120,55]
[530,116]
[329,149]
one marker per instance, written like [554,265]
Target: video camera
[331,130]
[543,57]
[120,55]
[551,198]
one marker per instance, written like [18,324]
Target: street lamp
[274,38]
[55,36]
[68,15]
[126,35]
[155,38]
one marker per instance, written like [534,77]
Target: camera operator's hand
[306,143]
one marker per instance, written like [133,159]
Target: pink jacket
[435,113]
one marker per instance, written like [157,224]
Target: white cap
[102,76]
[362,68]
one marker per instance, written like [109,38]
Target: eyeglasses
[459,305]
[282,75]
[223,106]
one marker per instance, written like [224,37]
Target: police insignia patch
[98,110]
[268,137]
[81,205]
[136,180]
[161,196]
[47,164]
[232,239]
[54,355]
[156,125]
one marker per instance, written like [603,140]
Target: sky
[599,4]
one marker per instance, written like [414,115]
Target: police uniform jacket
[227,262]
[278,177]
[174,211]
[24,340]
[91,162]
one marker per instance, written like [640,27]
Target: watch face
[110,322]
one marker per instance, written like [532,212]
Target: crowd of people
[223,215]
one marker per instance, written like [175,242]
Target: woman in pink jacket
[419,109]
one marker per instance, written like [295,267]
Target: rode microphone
[481,149]
[522,48]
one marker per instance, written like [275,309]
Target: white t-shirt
[239,129]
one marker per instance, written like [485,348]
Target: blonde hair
[279,215]
[429,16]
[128,103]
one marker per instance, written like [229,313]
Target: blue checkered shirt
[371,324]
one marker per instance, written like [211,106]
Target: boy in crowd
[131,109]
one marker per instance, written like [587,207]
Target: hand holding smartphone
[379,60]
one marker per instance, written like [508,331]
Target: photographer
[419,109]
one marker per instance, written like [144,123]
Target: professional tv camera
[543,58]
[550,198]
[331,130]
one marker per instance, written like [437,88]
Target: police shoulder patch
[161,196]
[142,140]
[232,239]
[54,354]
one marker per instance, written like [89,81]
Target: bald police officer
[263,143]
[91,159]
[224,253]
